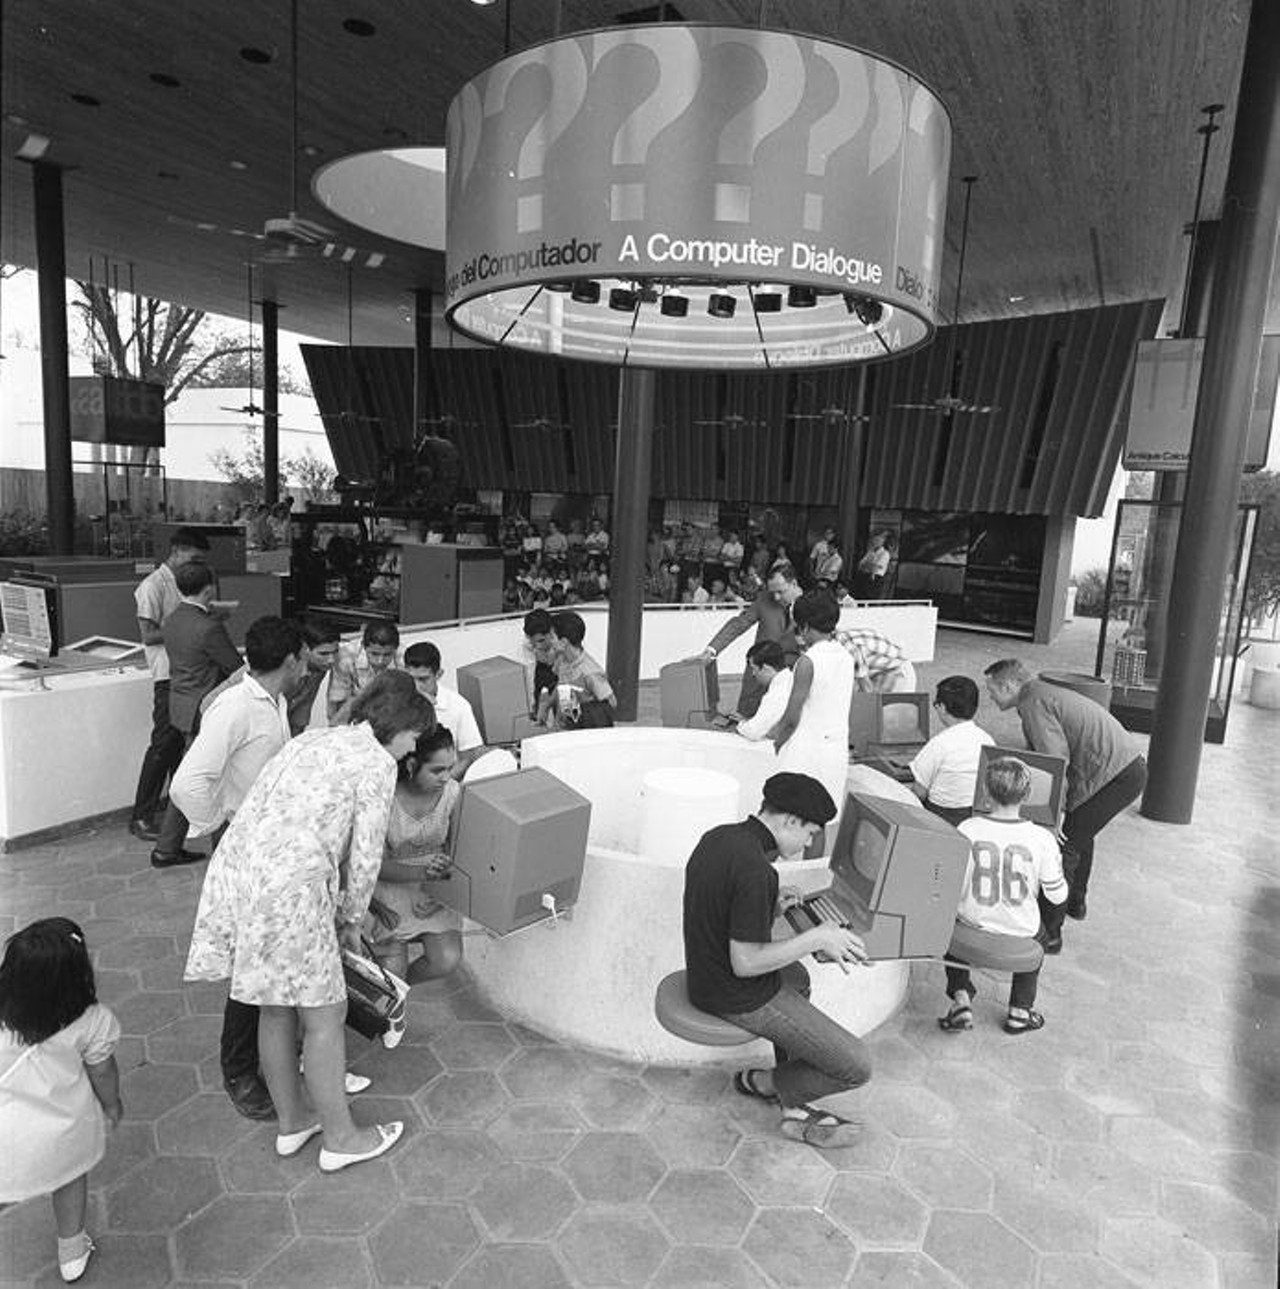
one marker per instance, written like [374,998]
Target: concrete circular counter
[590,976]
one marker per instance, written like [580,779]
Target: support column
[850,489]
[51,263]
[270,402]
[1246,254]
[629,531]
[424,391]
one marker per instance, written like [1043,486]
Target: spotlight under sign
[709,162]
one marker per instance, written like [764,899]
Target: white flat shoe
[289,1143]
[331,1161]
[73,1270]
[357,1083]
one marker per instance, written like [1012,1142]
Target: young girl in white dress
[813,735]
[417,855]
[59,1087]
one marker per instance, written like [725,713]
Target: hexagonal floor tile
[774,1170]
[1049,1215]
[474,1046]
[234,1238]
[897,1269]
[511,1266]
[612,1247]
[613,1101]
[130,1261]
[1217,1220]
[945,1175]
[911,1111]
[690,1136]
[534,1130]
[800,1247]
[613,1167]
[702,1206]
[206,1124]
[150,1090]
[188,1040]
[469,1099]
[162,1193]
[345,1203]
[688,1265]
[447,1164]
[978,1250]
[311,1263]
[423,1243]
[397,1072]
[876,1211]
[147,1012]
[1154,1251]
[524,1202]
[542,1074]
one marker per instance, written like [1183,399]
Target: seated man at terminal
[422,662]
[736,970]
[583,698]
[879,664]
[1013,864]
[356,665]
[767,665]
[945,770]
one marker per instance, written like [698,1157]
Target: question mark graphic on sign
[886,134]
[680,66]
[772,108]
[462,139]
[548,125]
[922,121]
[839,124]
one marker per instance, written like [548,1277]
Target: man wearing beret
[736,970]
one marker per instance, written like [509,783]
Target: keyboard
[815,910]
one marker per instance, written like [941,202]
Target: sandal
[744,1082]
[1017,1025]
[960,1017]
[820,1128]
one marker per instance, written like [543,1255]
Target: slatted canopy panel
[536,424]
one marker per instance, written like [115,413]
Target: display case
[1133,632]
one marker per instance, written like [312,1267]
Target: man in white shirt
[242,729]
[156,598]
[422,662]
[945,770]
[768,664]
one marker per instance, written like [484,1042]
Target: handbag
[375,997]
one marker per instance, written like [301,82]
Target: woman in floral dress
[288,888]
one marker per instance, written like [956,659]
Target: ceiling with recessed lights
[174,125]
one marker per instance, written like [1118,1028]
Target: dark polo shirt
[730,893]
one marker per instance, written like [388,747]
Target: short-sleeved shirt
[947,766]
[455,714]
[1010,862]
[873,655]
[730,893]
[156,596]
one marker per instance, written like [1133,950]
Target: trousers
[814,1056]
[161,758]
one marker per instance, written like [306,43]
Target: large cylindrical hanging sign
[741,198]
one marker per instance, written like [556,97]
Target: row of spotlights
[719,303]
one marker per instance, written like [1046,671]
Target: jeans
[239,1044]
[814,1056]
[1022,992]
[161,758]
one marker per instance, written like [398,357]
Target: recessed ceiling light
[1016,299]
[86,100]
[251,54]
[358,27]
[310,150]
[14,119]
[238,165]
[165,174]
[207,228]
[163,78]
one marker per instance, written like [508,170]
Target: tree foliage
[246,473]
[1263,489]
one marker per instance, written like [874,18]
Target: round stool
[678,1016]
[977,948]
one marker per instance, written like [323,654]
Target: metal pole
[51,261]
[629,530]
[270,402]
[1246,255]
[424,390]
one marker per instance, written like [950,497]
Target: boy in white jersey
[1011,860]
